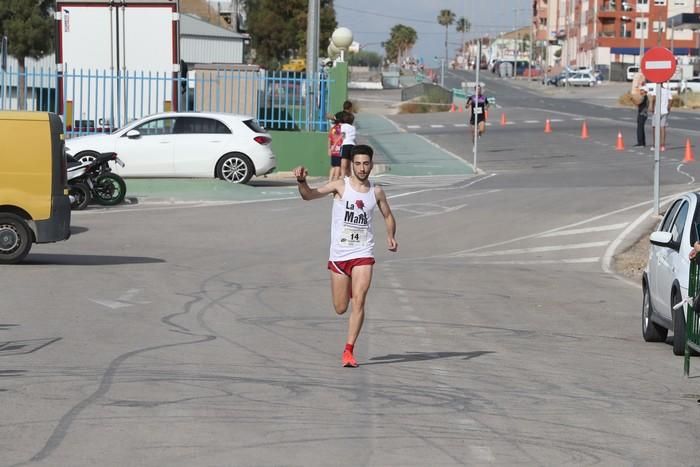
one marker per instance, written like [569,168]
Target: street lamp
[341,39]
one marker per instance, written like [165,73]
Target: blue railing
[95,101]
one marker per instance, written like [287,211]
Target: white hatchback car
[665,279]
[185,144]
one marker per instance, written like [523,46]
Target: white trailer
[118,60]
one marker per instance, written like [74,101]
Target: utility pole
[644,27]
[312,33]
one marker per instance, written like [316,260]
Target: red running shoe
[349,360]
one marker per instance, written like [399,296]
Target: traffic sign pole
[657,144]
[658,66]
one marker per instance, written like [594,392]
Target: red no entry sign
[658,65]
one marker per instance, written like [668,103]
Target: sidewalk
[401,153]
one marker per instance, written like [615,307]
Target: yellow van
[34,205]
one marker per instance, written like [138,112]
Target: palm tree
[463,26]
[446,18]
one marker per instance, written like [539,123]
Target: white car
[581,78]
[665,279]
[673,86]
[691,85]
[185,144]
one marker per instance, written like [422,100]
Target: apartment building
[606,32]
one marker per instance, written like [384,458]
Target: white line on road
[538,249]
[413,127]
[594,259]
[555,120]
[678,169]
[531,121]
[461,125]
[602,228]
[437,126]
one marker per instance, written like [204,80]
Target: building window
[641,28]
[659,2]
[659,26]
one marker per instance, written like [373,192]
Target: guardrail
[98,101]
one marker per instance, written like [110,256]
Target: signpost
[658,66]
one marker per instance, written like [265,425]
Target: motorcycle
[94,180]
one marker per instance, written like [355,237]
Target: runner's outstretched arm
[384,208]
[307,193]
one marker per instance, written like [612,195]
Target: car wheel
[87,156]
[15,239]
[678,326]
[235,168]
[651,331]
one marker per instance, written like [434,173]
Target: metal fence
[97,101]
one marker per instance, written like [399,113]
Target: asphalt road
[204,335]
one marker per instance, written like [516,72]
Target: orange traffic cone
[689,157]
[620,146]
[584,130]
[461,109]
[452,109]
[547,127]
[503,119]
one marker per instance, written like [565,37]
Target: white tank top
[351,224]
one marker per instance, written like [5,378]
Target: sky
[371,21]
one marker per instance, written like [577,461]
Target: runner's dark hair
[361,149]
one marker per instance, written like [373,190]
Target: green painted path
[407,153]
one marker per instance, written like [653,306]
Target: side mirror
[132,134]
[661,238]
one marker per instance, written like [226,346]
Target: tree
[278,29]
[365,58]
[463,26]
[401,39]
[28,25]
[446,18]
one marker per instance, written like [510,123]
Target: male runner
[477,112]
[352,241]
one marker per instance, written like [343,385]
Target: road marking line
[538,249]
[461,125]
[555,120]
[413,127]
[532,121]
[594,259]
[437,126]
[678,169]
[510,123]
[602,228]
[113,304]
[461,187]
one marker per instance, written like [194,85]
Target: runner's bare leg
[340,288]
[361,280]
